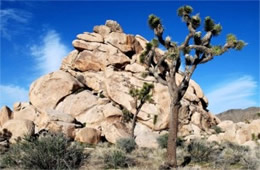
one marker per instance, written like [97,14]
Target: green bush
[200,151]
[217,129]
[126,144]
[163,141]
[53,151]
[115,158]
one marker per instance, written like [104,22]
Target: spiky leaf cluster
[239,45]
[236,44]
[184,10]
[195,21]
[143,93]
[216,50]
[231,39]
[197,38]
[148,47]
[217,29]
[208,24]
[153,21]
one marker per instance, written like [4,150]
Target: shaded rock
[49,90]
[5,115]
[19,128]
[88,135]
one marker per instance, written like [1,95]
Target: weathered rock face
[92,88]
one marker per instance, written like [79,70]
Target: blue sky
[35,36]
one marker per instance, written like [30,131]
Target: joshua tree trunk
[173,130]
[138,109]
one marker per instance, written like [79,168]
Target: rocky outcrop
[240,133]
[85,99]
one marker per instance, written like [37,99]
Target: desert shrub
[46,152]
[231,154]
[126,144]
[163,141]
[250,161]
[217,129]
[200,150]
[116,158]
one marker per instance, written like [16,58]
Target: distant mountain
[240,115]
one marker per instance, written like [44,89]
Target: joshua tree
[141,96]
[165,67]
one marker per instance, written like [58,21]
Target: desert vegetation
[55,151]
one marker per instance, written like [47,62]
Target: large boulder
[5,115]
[78,103]
[115,130]
[19,128]
[49,90]
[88,135]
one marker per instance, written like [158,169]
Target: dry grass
[230,156]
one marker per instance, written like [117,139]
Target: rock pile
[88,98]
[247,134]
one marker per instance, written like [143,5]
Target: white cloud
[49,54]
[9,94]
[234,94]
[12,21]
